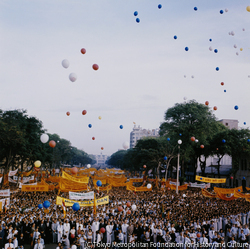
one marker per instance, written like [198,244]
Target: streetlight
[178,163]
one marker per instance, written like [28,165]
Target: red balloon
[144,166]
[168,188]
[222,83]
[128,204]
[84,112]
[192,139]
[202,146]
[231,177]
[215,108]
[102,148]
[72,235]
[120,208]
[74,170]
[129,212]
[102,230]
[95,67]
[83,51]
[217,149]
[52,144]
[93,138]
[67,113]
[206,103]
[198,235]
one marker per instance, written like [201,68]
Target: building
[139,133]
[101,160]
[230,123]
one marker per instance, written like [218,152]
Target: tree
[116,159]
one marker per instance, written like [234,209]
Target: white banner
[12,173]
[5,192]
[174,183]
[81,196]
[196,185]
[21,184]
[25,178]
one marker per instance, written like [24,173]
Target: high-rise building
[139,133]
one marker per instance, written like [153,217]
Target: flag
[94,207]
[64,209]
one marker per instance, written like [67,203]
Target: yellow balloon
[100,117]
[248,8]
[37,163]
[241,49]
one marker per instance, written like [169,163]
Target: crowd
[161,219]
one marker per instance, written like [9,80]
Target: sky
[143,70]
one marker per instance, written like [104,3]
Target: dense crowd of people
[161,219]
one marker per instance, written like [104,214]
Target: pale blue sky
[142,67]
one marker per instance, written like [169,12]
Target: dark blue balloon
[201,178]
[223,141]
[168,139]
[138,20]
[239,190]
[216,50]
[117,229]
[180,134]
[195,8]
[76,206]
[99,183]
[221,11]
[244,178]
[40,206]
[46,204]
[236,107]
[186,48]
[165,158]
[210,40]
[225,91]
[90,125]
[121,126]
[244,123]
[159,6]
[217,69]
[135,13]
[175,37]
[248,140]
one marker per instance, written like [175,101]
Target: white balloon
[226,10]
[185,76]
[73,77]
[44,138]
[125,145]
[133,207]
[235,46]
[196,140]
[210,48]
[149,186]
[88,166]
[192,76]
[185,98]
[65,63]
[237,53]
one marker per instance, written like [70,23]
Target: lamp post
[178,163]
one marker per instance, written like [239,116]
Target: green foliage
[117,158]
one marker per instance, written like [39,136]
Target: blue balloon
[186,48]
[121,126]
[90,125]
[175,37]
[46,204]
[138,20]
[180,134]
[239,190]
[99,183]
[216,50]
[225,91]
[40,206]
[168,139]
[248,140]
[223,141]
[244,123]
[217,69]
[76,206]
[159,6]
[135,13]
[221,11]
[244,178]
[165,158]
[117,229]
[210,40]
[236,107]
[201,178]
[195,8]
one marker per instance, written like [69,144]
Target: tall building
[139,133]
[101,160]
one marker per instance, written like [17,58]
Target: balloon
[74,170]
[202,146]
[206,103]
[221,11]
[65,63]
[72,236]
[248,140]
[76,206]
[241,49]
[210,40]
[216,50]
[144,166]
[223,141]
[67,113]
[102,148]
[180,134]
[168,139]
[159,6]
[244,178]
[198,235]
[192,139]
[217,68]
[196,140]
[102,230]
[235,46]
[244,123]
[185,98]
[100,117]
[149,186]
[99,183]
[192,76]
[186,48]
[84,112]
[135,13]
[125,145]
[88,166]
[175,37]
[133,207]
[168,188]
[73,77]
[195,8]
[90,125]
[222,83]
[95,67]
[239,190]
[165,158]
[232,33]
[83,51]
[37,164]
[243,29]
[236,107]
[40,206]
[52,144]
[121,126]
[185,76]
[226,10]
[210,48]
[237,53]
[46,204]
[120,208]
[215,108]
[137,20]
[128,204]
[179,141]
[225,91]
[93,138]
[44,138]
[248,8]
[129,212]
[231,178]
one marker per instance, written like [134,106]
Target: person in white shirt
[38,245]
[109,230]
[120,236]
[41,240]
[95,228]
[203,241]
[8,245]
[66,228]
[211,235]
[124,231]
[82,240]
[59,232]
[74,246]
[36,235]
[99,237]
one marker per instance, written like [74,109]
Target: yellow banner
[139,189]
[103,182]
[227,190]
[73,188]
[211,180]
[74,179]
[180,188]
[107,188]
[88,203]
[136,180]
[35,188]
[208,194]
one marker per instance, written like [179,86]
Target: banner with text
[5,192]
[81,196]
[211,180]
[74,179]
